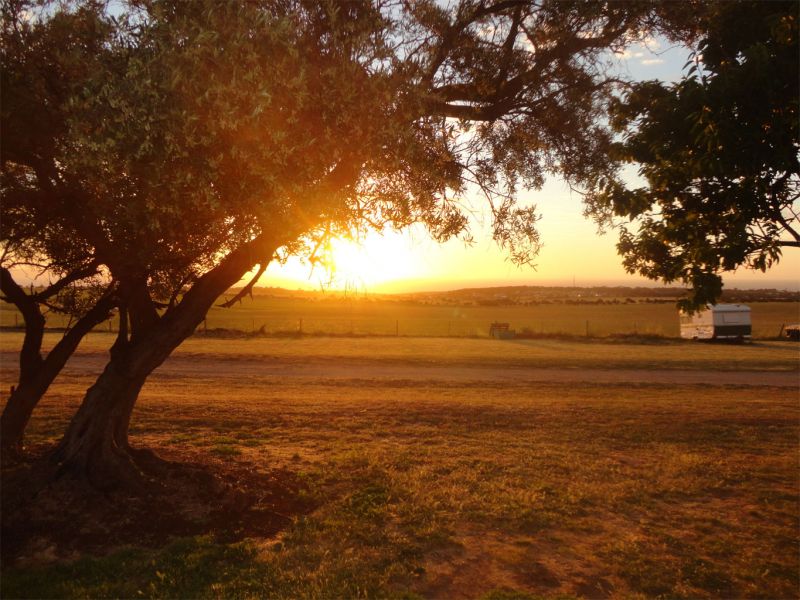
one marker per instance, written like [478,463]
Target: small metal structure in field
[500,331]
[791,332]
[718,322]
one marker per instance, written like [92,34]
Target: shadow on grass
[46,520]
[185,568]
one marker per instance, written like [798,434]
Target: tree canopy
[718,151]
[180,144]
[167,135]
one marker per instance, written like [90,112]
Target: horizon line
[779,286]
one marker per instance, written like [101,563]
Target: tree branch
[247,290]
[787,227]
[79,273]
[30,356]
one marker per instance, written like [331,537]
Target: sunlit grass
[376,317]
[605,354]
[502,491]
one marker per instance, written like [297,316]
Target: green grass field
[428,489]
[383,317]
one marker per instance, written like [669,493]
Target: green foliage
[719,153]
[31,235]
[158,137]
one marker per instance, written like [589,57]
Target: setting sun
[368,262]
[309,299]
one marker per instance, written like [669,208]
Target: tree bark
[95,446]
[36,374]
[30,355]
[19,407]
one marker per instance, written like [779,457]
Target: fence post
[587,328]
[300,327]
[397,328]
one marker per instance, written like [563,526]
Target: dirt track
[198,367]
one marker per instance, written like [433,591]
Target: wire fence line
[424,327]
[384,328]
[653,320]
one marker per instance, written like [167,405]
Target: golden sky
[573,250]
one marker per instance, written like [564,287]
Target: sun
[372,261]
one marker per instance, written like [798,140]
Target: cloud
[653,61]
[628,54]
[651,43]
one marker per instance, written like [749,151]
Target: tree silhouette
[719,151]
[187,143]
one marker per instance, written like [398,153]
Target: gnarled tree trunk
[95,446]
[37,373]
[96,442]
[19,407]
[26,394]
[36,378]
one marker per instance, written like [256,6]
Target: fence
[448,321]
[425,327]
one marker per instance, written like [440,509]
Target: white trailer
[718,322]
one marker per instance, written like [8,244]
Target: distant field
[464,352]
[383,317]
[480,489]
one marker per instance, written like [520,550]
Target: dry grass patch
[470,490]
[258,353]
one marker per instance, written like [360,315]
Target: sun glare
[371,261]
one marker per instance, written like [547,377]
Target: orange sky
[573,251]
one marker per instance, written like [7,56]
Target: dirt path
[315,369]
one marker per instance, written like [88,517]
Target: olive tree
[209,139]
[67,274]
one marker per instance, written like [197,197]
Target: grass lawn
[557,353]
[466,490]
[385,317]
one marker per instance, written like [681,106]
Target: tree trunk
[36,374]
[25,396]
[18,410]
[95,446]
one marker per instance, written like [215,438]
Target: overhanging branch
[83,272]
[247,290]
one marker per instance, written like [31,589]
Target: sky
[573,252]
